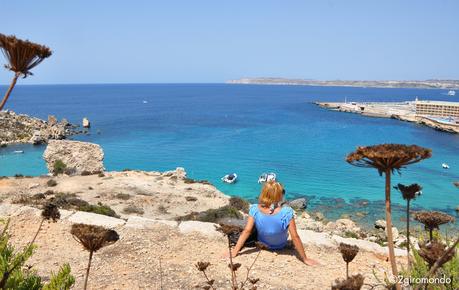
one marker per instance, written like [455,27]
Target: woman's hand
[226,255]
[310,262]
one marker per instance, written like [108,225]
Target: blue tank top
[272,230]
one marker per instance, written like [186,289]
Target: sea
[215,129]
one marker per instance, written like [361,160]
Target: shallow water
[214,129]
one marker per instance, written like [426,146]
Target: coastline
[419,84]
[403,111]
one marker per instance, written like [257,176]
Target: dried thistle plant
[352,283]
[202,267]
[22,56]
[432,220]
[229,231]
[409,193]
[348,252]
[50,212]
[93,238]
[431,252]
[386,159]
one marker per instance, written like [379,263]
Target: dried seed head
[432,251]
[93,238]
[348,252]
[409,192]
[352,283]
[50,211]
[390,157]
[22,55]
[261,246]
[235,266]
[254,281]
[202,266]
[433,219]
[211,282]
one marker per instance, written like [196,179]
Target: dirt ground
[134,261]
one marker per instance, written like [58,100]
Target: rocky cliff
[18,128]
[76,157]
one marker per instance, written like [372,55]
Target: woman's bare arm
[244,236]
[298,244]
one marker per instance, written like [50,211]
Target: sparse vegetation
[14,274]
[234,267]
[85,173]
[132,209]
[59,167]
[123,196]
[51,183]
[213,215]
[191,198]
[239,203]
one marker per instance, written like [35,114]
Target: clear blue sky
[109,41]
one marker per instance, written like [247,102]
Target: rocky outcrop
[77,156]
[86,123]
[298,204]
[17,128]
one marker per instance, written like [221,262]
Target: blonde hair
[271,193]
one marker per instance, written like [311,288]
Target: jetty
[442,116]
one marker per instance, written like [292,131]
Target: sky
[209,41]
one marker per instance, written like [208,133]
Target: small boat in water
[451,93]
[230,178]
[445,166]
[266,177]
[18,152]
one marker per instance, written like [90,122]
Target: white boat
[18,152]
[266,177]
[445,166]
[451,93]
[230,178]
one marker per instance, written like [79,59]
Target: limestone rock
[179,172]
[17,128]
[457,208]
[86,123]
[77,156]
[305,222]
[298,204]
[343,226]
[89,218]
[380,224]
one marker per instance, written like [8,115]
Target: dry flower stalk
[93,238]
[432,220]
[348,252]
[388,158]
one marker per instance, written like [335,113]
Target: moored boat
[230,178]
[266,177]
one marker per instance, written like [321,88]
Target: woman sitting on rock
[272,222]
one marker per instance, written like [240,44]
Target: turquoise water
[214,129]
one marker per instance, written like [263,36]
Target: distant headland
[424,84]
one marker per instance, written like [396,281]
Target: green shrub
[51,183]
[100,208]
[15,275]
[419,269]
[59,167]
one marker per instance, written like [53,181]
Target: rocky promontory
[20,128]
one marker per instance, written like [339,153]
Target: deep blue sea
[214,129]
